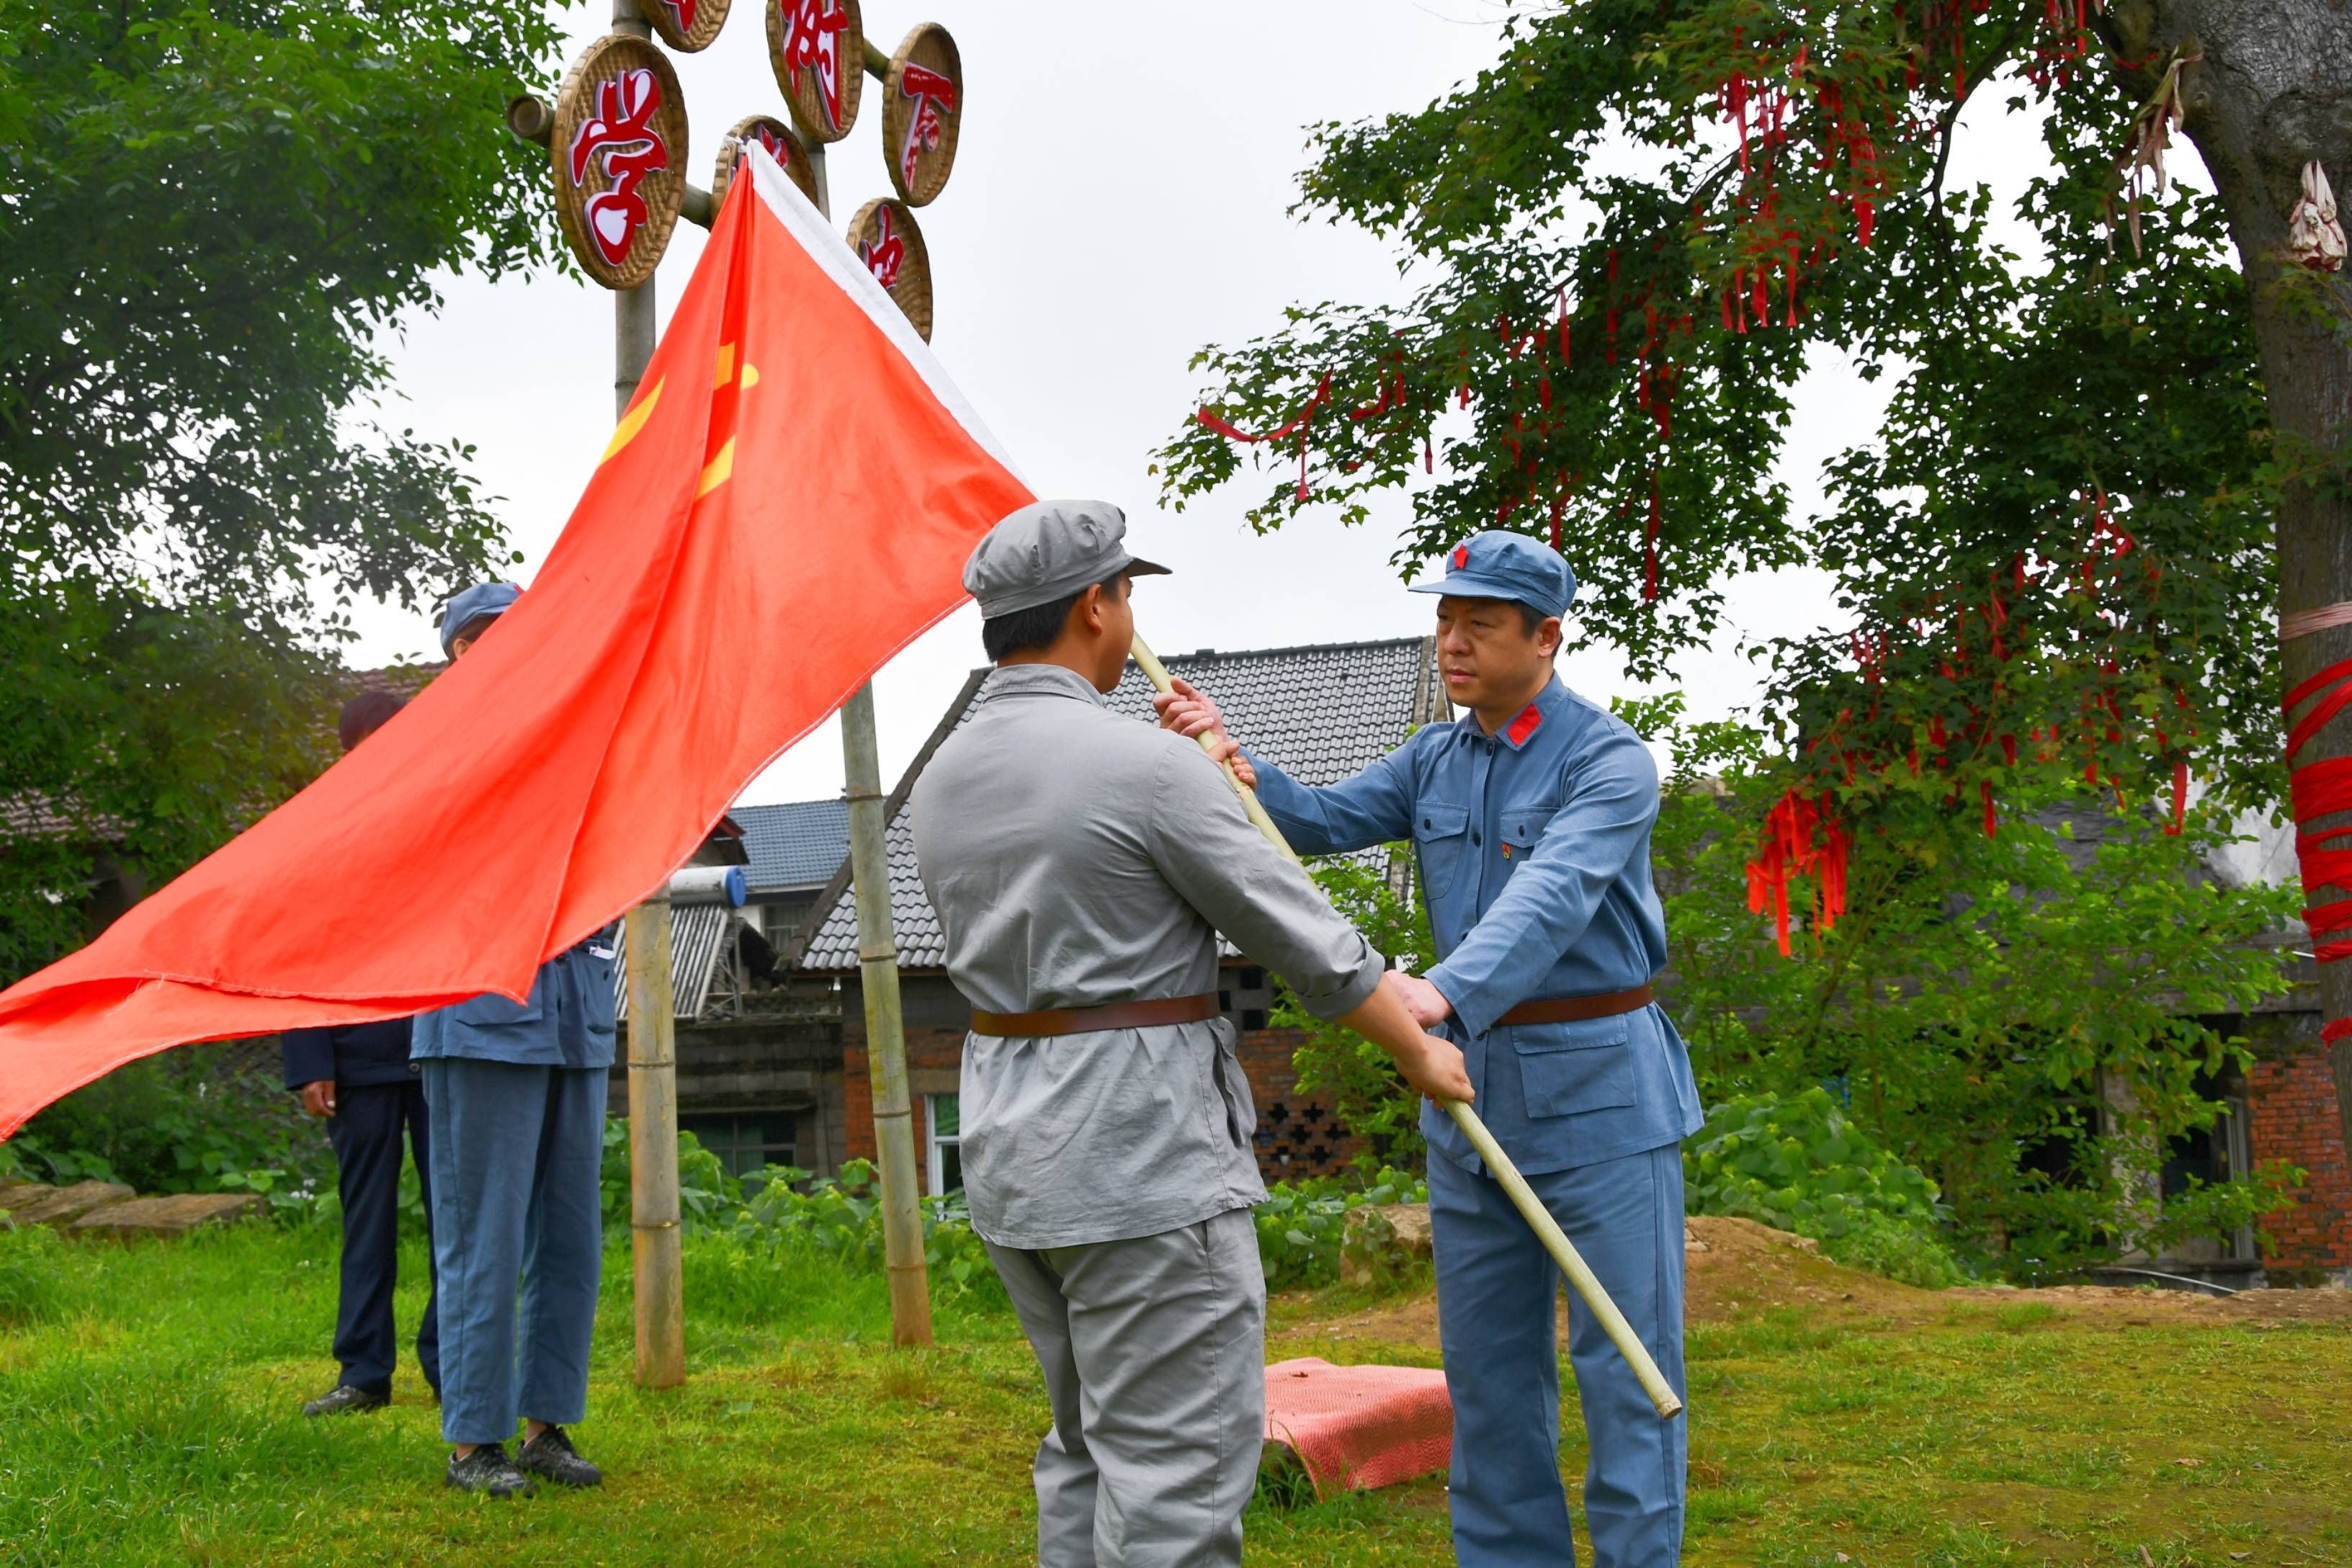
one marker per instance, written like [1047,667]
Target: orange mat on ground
[1356,1428]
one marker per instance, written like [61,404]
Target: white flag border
[831,252]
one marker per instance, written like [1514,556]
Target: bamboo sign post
[617,137]
[1563,1251]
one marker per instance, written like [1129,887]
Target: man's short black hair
[365,714]
[1024,631]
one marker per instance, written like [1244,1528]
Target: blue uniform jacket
[566,1022]
[1534,849]
[355,1055]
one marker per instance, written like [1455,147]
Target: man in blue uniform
[1530,818]
[359,1077]
[515,1103]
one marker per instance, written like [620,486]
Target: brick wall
[2293,1117]
[934,1060]
[1297,1136]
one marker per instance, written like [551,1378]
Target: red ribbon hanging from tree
[1296,426]
[2317,789]
[1788,852]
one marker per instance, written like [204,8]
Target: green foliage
[34,1281]
[1354,1075]
[2214,1209]
[2054,553]
[1302,1225]
[1979,992]
[841,1218]
[174,1124]
[1799,1165]
[207,217]
[706,1195]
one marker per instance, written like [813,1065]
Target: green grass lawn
[148,1413]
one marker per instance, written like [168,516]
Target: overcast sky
[1118,202]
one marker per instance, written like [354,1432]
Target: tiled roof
[1320,713]
[799,844]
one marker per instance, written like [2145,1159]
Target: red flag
[788,503]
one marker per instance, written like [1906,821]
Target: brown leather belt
[1081,1021]
[1575,1009]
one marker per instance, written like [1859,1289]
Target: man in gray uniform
[1082,866]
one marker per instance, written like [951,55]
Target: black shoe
[550,1454]
[488,1471]
[343,1398]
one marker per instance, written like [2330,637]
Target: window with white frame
[943,1129]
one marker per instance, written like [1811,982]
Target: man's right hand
[1188,711]
[1437,1070]
[319,1097]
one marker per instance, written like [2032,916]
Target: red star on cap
[1461,557]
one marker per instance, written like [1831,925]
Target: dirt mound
[1737,1267]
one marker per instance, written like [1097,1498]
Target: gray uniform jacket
[1078,858]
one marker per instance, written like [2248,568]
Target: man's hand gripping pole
[1531,1209]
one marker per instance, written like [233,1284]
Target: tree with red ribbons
[2112,475]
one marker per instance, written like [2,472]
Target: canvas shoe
[344,1397]
[550,1454]
[487,1470]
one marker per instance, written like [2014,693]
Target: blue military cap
[471,605]
[1498,565]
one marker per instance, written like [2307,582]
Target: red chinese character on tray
[620,132]
[932,93]
[683,11]
[779,147]
[813,30]
[887,255]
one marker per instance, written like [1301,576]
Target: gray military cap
[1049,550]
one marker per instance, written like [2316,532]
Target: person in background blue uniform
[514,1097]
[359,1077]
[1530,821]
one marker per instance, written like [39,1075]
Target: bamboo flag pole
[657,1244]
[1531,1209]
[878,971]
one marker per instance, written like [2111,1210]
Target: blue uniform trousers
[365,1131]
[1495,1290]
[517,1151]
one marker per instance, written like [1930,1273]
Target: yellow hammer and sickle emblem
[721,465]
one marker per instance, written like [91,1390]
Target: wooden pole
[1523,1198]
[656,1240]
[877,968]
[657,1246]
[886,1034]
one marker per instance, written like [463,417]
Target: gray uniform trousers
[1154,1355]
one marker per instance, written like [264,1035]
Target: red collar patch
[1526,724]
[1461,557]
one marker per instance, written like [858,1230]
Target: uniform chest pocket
[1567,1068]
[1523,829]
[1441,836]
[596,986]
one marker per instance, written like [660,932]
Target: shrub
[706,1195]
[180,1123]
[840,1217]
[1301,1226]
[1798,1164]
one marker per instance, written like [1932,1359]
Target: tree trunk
[2272,92]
